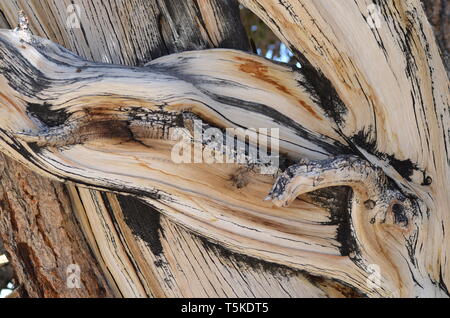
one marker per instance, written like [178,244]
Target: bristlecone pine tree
[94,96]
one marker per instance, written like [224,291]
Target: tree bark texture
[438,13]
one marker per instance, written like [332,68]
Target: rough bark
[43,237]
[438,12]
[337,116]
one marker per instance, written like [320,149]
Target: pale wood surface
[171,275]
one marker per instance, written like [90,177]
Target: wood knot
[369,204]
[240,178]
[427,181]
[23,21]
[399,213]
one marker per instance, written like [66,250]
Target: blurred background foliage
[264,41]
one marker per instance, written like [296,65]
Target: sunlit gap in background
[264,41]
[7,291]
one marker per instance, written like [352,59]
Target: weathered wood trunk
[168,271]
[363,175]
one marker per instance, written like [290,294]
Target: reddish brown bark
[42,236]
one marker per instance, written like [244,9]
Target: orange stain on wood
[309,109]
[10,102]
[260,71]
